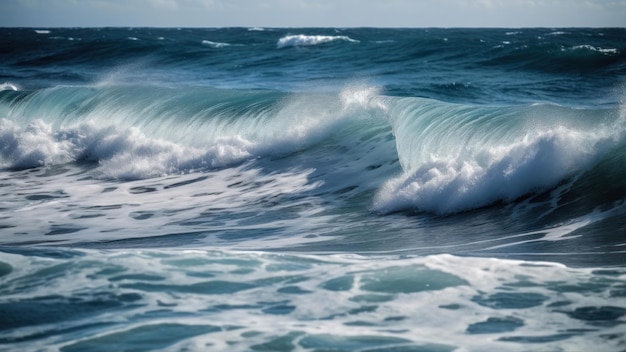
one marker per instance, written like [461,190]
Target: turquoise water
[312,189]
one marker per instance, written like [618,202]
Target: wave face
[312,189]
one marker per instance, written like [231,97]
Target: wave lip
[310,40]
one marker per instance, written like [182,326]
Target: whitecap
[42,31]
[609,51]
[215,44]
[309,40]
[8,86]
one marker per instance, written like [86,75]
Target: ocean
[312,189]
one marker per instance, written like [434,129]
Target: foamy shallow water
[242,301]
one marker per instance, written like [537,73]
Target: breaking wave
[453,157]
[309,40]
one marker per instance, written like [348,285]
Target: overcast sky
[313,13]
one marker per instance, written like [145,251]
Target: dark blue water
[312,189]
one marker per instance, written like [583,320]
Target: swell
[573,66]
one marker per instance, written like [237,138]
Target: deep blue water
[301,189]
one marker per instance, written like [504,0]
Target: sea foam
[432,303]
[216,45]
[122,153]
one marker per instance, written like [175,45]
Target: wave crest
[8,86]
[215,45]
[309,40]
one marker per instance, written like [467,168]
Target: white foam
[90,204]
[215,44]
[42,31]
[609,51]
[32,146]
[308,40]
[122,153]
[540,295]
[8,86]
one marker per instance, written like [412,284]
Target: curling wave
[459,157]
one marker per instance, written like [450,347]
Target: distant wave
[309,40]
[216,45]
[609,51]
[42,31]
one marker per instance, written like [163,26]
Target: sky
[313,13]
